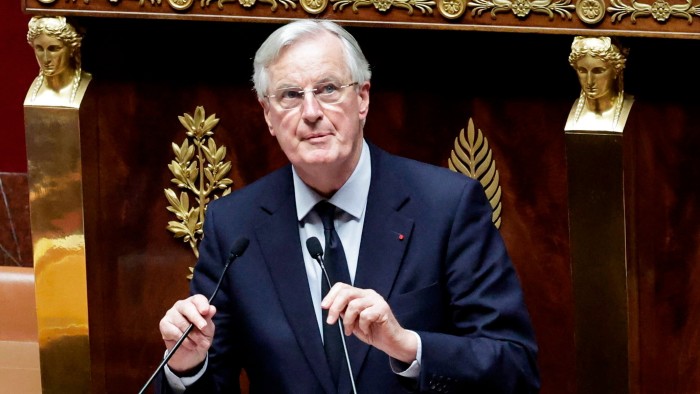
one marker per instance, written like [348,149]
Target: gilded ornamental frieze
[523,8]
[660,10]
[652,18]
[425,6]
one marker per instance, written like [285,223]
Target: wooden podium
[605,237]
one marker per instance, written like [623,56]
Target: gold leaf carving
[251,3]
[141,2]
[660,10]
[199,170]
[384,5]
[472,157]
[522,8]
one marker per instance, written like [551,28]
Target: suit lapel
[385,236]
[279,238]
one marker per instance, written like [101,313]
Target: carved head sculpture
[56,44]
[599,63]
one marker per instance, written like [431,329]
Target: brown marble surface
[15,231]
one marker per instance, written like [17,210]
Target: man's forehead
[309,64]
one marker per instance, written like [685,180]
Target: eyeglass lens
[326,93]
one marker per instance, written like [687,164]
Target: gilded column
[52,128]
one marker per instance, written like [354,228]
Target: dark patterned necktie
[337,268]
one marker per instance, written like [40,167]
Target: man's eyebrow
[287,86]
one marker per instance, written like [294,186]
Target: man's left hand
[368,316]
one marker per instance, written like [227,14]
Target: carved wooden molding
[654,18]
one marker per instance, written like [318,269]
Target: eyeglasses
[325,93]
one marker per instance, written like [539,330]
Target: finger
[337,299]
[170,326]
[194,310]
[201,302]
[332,294]
[197,340]
[208,330]
[368,319]
[352,313]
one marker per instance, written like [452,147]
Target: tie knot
[326,211]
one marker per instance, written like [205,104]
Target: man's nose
[311,106]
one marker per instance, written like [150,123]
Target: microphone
[236,251]
[316,251]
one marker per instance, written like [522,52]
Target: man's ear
[266,111]
[363,100]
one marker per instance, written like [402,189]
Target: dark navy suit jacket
[428,247]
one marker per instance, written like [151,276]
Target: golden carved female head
[599,63]
[56,44]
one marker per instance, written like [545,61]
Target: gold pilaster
[598,260]
[58,237]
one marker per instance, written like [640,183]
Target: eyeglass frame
[313,91]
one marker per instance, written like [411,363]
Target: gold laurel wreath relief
[199,170]
[472,157]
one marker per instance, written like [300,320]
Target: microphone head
[314,247]
[239,246]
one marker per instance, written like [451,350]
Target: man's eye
[327,88]
[291,94]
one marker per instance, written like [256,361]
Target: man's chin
[317,157]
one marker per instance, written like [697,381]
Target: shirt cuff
[179,384]
[411,370]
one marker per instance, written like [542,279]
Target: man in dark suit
[431,302]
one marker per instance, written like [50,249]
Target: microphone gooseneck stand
[236,251]
[316,251]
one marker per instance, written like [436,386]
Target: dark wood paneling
[664,151]
[427,84]
[422,97]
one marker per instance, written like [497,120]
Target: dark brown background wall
[517,87]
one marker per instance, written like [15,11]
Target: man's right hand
[193,350]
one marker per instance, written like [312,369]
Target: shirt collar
[351,197]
